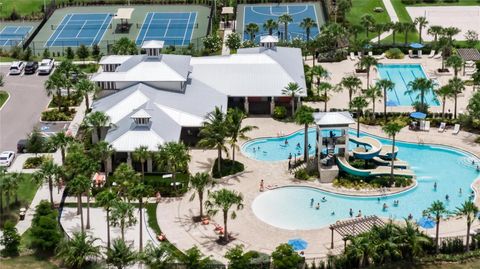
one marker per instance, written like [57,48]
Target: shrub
[279,112]
[45,232]
[35,142]
[451,245]
[46,53]
[212,43]
[69,53]
[14,15]
[33,162]
[228,167]
[394,53]
[55,115]
[409,2]
[10,240]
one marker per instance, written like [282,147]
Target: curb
[6,101]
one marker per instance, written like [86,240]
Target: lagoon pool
[289,207]
[401,75]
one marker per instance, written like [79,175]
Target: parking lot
[22,111]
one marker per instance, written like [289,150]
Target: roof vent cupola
[268,41]
[153,47]
[141,118]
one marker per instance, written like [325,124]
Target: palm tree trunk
[443,107]
[7,198]
[373,107]
[143,171]
[1,202]
[141,223]
[385,106]
[81,212]
[350,93]
[99,133]
[233,152]
[59,100]
[105,168]
[78,205]
[88,209]
[436,235]
[358,123]
[87,103]
[122,229]
[325,97]
[108,228]
[305,146]
[286,32]
[62,152]
[50,189]
[368,77]
[293,105]
[225,218]
[455,107]
[468,236]
[393,158]
[219,160]
[200,198]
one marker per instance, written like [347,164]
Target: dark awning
[469,54]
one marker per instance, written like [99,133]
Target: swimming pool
[289,207]
[401,75]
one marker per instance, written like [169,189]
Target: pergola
[226,12]
[355,226]
[468,55]
[124,14]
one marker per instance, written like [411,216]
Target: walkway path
[225,49]
[393,18]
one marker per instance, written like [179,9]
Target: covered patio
[469,57]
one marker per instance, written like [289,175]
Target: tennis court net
[166,25]
[80,26]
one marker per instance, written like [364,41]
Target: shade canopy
[426,223]
[298,244]
[418,115]
[124,14]
[416,45]
[227,10]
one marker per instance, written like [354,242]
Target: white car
[46,66]
[17,68]
[6,158]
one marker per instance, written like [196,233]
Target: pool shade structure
[298,244]
[353,227]
[468,55]
[426,223]
[418,115]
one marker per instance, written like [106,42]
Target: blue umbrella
[367,46]
[426,223]
[418,115]
[416,45]
[298,244]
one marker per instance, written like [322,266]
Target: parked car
[6,158]
[22,146]
[31,67]
[46,66]
[16,68]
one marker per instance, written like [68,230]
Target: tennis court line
[140,32]
[81,28]
[54,32]
[316,19]
[194,22]
[63,27]
[186,28]
[148,27]
[107,15]
[166,29]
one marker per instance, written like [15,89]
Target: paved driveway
[22,111]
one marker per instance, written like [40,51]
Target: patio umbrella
[426,223]
[416,45]
[418,115]
[298,244]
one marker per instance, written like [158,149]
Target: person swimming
[359,214]
[385,206]
[298,145]
[460,192]
[447,197]
[311,202]
[286,142]
[317,206]
[378,199]
[435,186]
[309,146]
[333,213]
[351,213]
[324,199]
[410,216]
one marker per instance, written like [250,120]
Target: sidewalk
[393,17]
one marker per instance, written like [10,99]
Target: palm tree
[106,199]
[469,210]
[325,87]
[49,172]
[86,87]
[385,85]
[174,157]
[292,90]
[96,121]
[251,30]
[359,103]
[367,21]
[141,154]
[121,255]
[411,241]
[319,72]
[78,186]
[157,257]
[223,200]
[355,30]
[122,216]
[458,86]
[66,68]
[61,140]
[139,191]
[435,31]
[445,92]
[456,63]
[359,249]
[214,133]
[437,209]
[373,93]
[378,28]
[304,117]
[285,19]
[194,259]
[235,130]
[449,32]
[9,186]
[199,182]
[102,152]
[367,62]
[307,24]
[423,86]
[352,84]
[53,86]
[270,25]
[397,28]
[125,178]
[77,251]
[421,22]
[392,129]
[407,28]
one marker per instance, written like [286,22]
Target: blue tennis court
[80,29]
[259,14]
[174,28]
[11,36]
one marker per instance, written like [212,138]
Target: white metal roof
[268,39]
[153,44]
[333,118]
[114,59]
[227,10]
[124,14]
[140,114]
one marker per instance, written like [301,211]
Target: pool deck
[175,214]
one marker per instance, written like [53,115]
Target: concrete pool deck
[174,215]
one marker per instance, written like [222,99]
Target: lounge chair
[456,129]
[438,56]
[427,126]
[359,54]
[370,53]
[352,56]
[381,56]
[410,53]
[441,129]
[432,53]
[420,53]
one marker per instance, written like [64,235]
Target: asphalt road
[22,111]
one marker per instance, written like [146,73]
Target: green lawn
[29,261]
[26,191]
[3,97]
[362,7]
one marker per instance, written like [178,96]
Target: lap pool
[401,75]
[289,207]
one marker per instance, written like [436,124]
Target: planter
[361,72]
[443,72]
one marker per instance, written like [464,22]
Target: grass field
[3,97]
[29,261]
[362,7]
[26,191]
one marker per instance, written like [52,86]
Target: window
[142,121]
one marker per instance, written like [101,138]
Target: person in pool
[333,213]
[378,199]
[311,202]
[298,145]
[385,206]
[410,216]
[317,206]
[351,213]
[324,199]
[435,186]
[447,197]
[359,214]
[286,142]
[309,146]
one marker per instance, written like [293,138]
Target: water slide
[362,153]
[379,171]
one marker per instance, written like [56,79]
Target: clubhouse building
[156,98]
